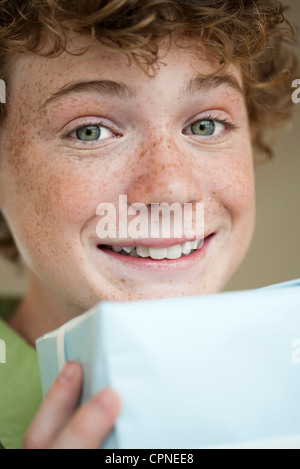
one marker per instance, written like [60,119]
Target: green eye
[88,133]
[204,128]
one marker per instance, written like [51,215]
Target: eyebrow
[111,88]
[104,87]
[200,84]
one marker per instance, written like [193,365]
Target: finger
[56,408]
[91,423]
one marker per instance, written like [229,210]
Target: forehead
[37,78]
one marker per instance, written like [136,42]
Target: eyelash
[230,126]
[209,117]
[217,118]
[91,124]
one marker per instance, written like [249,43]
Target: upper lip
[150,242]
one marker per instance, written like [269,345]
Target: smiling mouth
[157,253]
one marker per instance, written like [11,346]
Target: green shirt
[20,386]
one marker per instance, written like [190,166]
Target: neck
[41,311]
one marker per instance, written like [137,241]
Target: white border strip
[60,347]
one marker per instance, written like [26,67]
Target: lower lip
[163,265]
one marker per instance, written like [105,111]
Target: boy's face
[157,142]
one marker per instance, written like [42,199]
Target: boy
[160,100]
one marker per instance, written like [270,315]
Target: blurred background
[274,255]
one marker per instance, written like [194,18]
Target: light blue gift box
[220,370]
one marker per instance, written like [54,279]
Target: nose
[163,172]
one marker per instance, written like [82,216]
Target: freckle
[123,280]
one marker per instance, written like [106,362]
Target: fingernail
[67,373]
[107,401]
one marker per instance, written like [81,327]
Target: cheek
[47,201]
[238,197]
[234,184]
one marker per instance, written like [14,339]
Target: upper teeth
[172,252]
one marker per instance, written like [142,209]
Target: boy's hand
[57,425]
